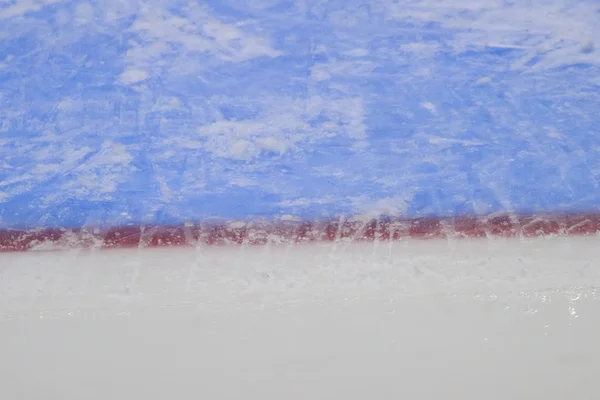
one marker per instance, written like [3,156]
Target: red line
[262,232]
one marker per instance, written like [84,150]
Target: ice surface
[130,114]
[455,319]
[120,112]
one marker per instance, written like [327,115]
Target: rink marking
[291,231]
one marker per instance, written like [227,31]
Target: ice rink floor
[416,319]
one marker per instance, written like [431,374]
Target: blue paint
[146,112]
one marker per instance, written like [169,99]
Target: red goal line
[261,232]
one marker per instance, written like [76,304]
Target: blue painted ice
[116,112]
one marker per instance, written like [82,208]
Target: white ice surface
[480,319]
